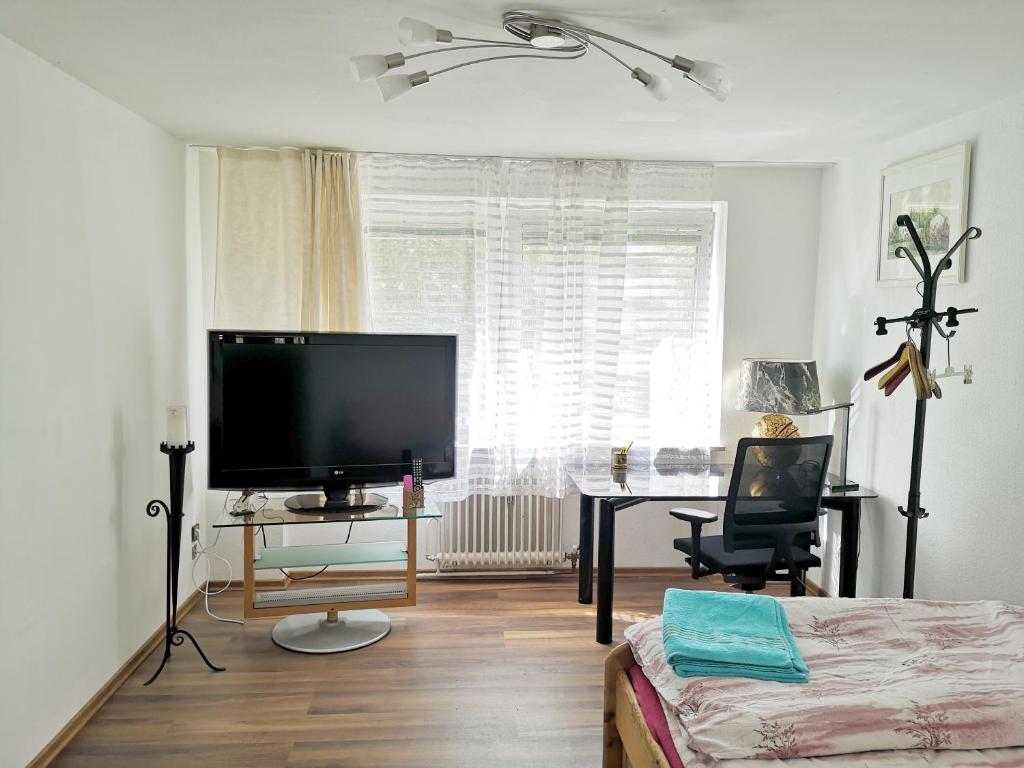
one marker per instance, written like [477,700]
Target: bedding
[657,719]
[892,682]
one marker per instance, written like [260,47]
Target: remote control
[417,474]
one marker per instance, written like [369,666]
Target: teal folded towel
[725,634]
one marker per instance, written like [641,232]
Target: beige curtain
[289,250]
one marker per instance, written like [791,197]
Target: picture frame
[933,190]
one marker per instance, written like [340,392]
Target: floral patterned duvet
[892,683]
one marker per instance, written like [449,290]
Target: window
[584,293]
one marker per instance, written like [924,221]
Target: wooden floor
[485,673]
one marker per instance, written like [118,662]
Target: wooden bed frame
[628,742]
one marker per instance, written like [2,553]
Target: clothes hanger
[910,363]
[870,373]
[967,372]
[922,384]
[891,386]
[898,372]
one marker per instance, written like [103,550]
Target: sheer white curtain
[289,242]
[583,296]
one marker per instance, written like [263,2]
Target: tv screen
[329,410]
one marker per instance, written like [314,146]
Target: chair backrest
[775,492]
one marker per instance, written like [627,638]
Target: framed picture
[932,190]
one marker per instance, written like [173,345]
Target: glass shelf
[275,600]
[276,514]
[318,555]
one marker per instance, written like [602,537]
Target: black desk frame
[848,506]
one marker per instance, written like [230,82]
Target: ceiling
[810,77]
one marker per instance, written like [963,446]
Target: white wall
[972,481]
[92,350]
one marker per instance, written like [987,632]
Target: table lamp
[790,387]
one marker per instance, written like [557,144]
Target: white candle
[177,425]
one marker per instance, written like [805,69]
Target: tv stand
[334,614]
[336,500]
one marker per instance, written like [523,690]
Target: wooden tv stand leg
[410,561]
[248,572]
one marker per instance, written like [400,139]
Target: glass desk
[349,615]
[615,490]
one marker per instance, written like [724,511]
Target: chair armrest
[698,516]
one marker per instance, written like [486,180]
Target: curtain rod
[716,163]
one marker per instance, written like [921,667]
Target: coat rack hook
[902,252]
[972,233]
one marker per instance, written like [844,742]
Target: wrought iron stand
[173,634]
[924,318]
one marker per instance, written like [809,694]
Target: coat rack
[925,319]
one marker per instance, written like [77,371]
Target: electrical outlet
[195,533]
[195,550]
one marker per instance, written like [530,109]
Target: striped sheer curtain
[583,295]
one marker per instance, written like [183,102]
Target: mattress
[893,683]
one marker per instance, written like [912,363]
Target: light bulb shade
[712,78]
[707,73]
[659,88]
[393,86]
[720,92]
[415,32]
[368,67]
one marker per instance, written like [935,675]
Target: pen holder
[412,500]
[620,459]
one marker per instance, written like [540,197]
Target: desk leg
[586,591]
[605,571]
[849,547]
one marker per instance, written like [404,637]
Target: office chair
[771,515]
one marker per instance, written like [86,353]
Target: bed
[893,683]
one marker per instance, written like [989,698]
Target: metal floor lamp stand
[173,634]
[924,319]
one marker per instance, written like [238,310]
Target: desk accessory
[176,456]
[924,319]
[777,387]
[620,457]
[412,488]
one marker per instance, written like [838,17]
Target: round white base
[313,633]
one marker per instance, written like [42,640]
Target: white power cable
[207,553]
[205,589]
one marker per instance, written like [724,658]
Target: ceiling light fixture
[542,38]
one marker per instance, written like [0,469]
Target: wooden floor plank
[501,673]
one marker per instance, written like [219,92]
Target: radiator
[500,533]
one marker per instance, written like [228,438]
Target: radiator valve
[573,556]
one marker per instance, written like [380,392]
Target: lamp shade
[712,78]
[368,67]
[659,88]
[778,386]
[393,86]
[415,32]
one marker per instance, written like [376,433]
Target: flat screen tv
[329,411]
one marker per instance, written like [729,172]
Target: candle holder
[173,634]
